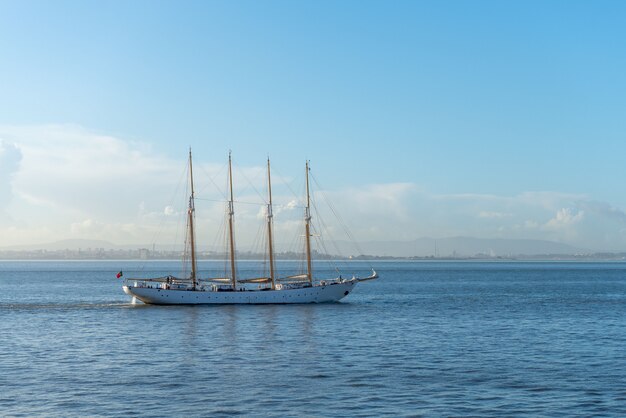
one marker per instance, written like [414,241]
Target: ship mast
[270,215]
[190,212]
[231,219]
[307,227]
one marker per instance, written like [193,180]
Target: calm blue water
[428,339]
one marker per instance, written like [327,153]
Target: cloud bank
[10,157]
[64,181]
[73,183]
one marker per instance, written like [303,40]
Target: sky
[434,119]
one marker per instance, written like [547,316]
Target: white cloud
[565,218]
[67,175]
[63,181]
[262,213]
[286,207]
[602,209]
[10,158]
[493,215]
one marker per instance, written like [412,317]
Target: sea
[429,338]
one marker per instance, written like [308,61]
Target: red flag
[120,274]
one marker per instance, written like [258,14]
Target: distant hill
[421,247]
[71,244]
[457,246]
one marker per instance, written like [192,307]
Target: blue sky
[510,112]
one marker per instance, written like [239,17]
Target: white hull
[315,294]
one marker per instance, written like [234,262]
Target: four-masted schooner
[302,288]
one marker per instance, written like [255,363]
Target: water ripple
[430,339]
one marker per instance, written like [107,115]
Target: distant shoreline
[615,257]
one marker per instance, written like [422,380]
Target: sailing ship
[193,290]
